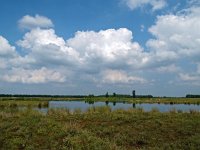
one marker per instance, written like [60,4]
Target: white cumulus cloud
[30,22]
[87,52]
[177,34]
[6,50]
[189,77]
[155,4]
[116,76]
[169,69]
[112,48]
[43,46]
[105,56]
[42,75]
[8,54]
[177,39]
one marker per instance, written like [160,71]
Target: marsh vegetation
[98,128]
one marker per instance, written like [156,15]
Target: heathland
[23,127]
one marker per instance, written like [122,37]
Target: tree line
[192,96]
[45,96]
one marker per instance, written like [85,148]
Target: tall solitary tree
[107,94]
[114,94]
[133,93]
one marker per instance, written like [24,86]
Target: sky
[75,47]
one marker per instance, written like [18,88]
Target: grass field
[36,100]
[146,100]
[28,103]
[98,128]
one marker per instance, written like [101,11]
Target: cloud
[177,40]
[6,50]
[21,69]
[8,54]
[112,48]
[30,22]
[155,4]
[142,28]
[87,52]
[44,47]
[116,76]
[105,56]
[193,2]
[198,68]
[193,77]
[42,75]
[169,69]
[188,77]
[177,34]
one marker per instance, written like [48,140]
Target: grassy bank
[40,98]
[99,128]
[36,100]
[146,100]
[23,103]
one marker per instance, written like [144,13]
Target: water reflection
[133,105]
[83,106]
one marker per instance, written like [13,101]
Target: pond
[83,106]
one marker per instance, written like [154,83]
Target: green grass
[146,100]
[98,128]
[39,98]
[23,103]
[35,100]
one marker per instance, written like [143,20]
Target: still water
[83,106]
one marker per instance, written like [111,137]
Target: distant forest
[192,96]
[76,96]
[91,95]
[53,96]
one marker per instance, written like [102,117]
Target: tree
[114,94]
[133,93]
[107,94]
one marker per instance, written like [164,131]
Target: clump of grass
[45,104]
[155,110]
[103,109]
[192,111]
[173,110]
[100,109]
[58,113]
[141,110]
[13,105]
[90,110]
[77,111]
[179,111]
[42,105]
[23,103]
[39,105]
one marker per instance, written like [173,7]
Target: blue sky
[73,15]
[95,46]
